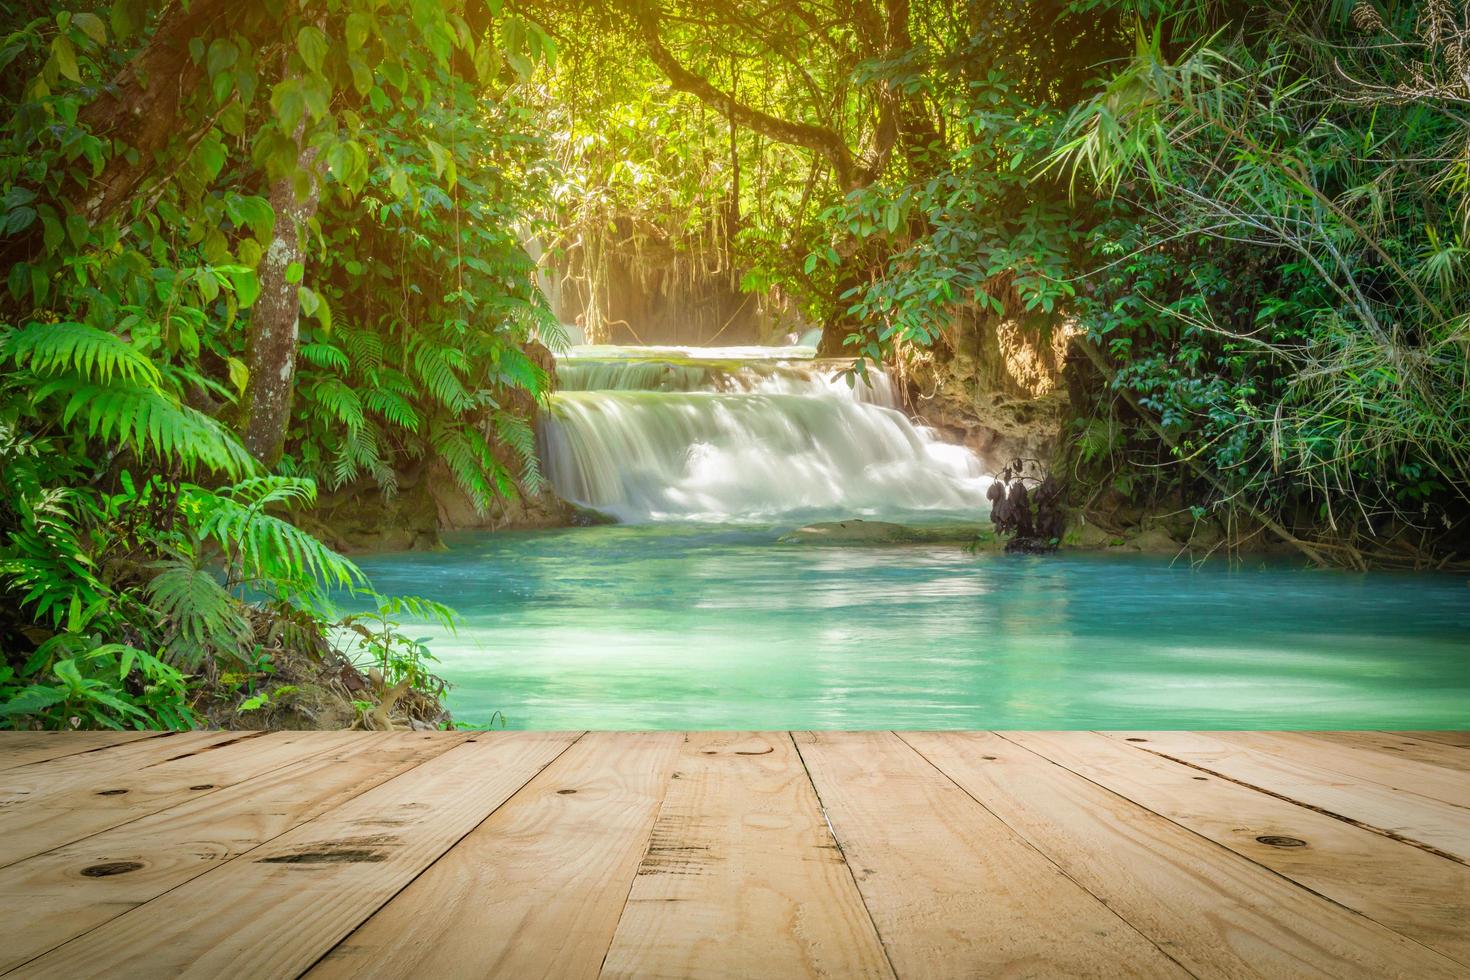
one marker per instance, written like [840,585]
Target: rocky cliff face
[428,501]
[994,384]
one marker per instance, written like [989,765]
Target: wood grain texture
[1440,826]
[1457,739]
[59,895]
[1416,893]
[1363,764]
[741,877]
[24,748]
[31,783]
[1404,747]
[953,890]
[1219,914]
[50,817]
[1035,854]
[275,910]
[534,891]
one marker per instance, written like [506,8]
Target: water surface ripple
[692,626]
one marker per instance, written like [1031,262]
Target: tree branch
[820,139]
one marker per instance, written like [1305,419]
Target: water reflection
[713,627]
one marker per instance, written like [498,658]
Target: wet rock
[861,532]
[995,384]
[1021,545]
[579,516]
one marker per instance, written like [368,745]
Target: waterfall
[743,434]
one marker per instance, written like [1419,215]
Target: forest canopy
[257,253]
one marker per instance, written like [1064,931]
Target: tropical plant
[179,186]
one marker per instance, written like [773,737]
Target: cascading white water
[734,434]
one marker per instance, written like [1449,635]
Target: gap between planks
[624,932]
[276,909]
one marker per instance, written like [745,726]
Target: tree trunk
[275,319]
[140,107]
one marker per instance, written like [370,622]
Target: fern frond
[198,614]
[517,370]
[394,407]
[432,365]
[326,356]
[149,422]
[359,451]
[267,548]
[472,462]
[95,355]
[48,565]
[517,433]
[364,347]
[340,401]
[262,491]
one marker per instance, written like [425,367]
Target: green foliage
[377,641]
[990,235]
[77,681]
[435,301]
[1257,219]
[199,611]
[1288,302]
[143,552]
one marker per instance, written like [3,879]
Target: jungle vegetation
[254,252]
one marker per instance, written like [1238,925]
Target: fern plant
[425,358]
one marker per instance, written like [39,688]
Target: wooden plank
[1404,774]
[1407,816]
[741,877]
[24,748]
[1458,739]
[54,897]
[90,804]
[535,890]
[277,909]
[1404,747]
[1217,913]
[34,781]
[1416,893]
[952,889]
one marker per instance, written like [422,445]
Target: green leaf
[239,374]
[441,157]
[311,43]
[67,671]
[309,300]
[92,26]
[77,229]
[362,76]
[66,57]
[211,157]
[52,234]
[247,286]
[289,102]
[32,700]
[347,161]
[221,56]
[293,272]
[126,16]
[221,87]
[318,95]
[359,29]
